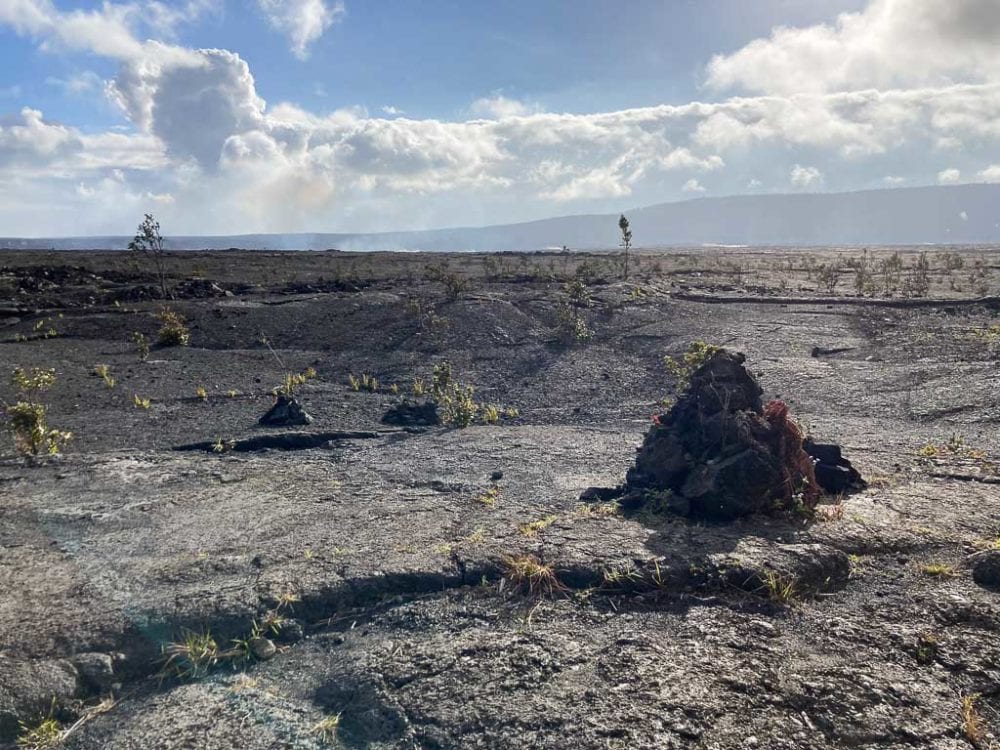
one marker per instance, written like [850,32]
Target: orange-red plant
[797,465]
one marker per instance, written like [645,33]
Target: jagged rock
[986,569]
[409,413]
[834,473]
[719,452]
[285,412]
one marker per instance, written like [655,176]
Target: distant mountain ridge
[952,214]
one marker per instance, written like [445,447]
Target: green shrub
[173,330]
[26,419]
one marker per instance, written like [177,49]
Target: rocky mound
[720,453]
[286,412]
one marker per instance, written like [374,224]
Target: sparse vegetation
[625,243]
[489,497]
[46,734]
[191,657]
[173,329]
[293,380]
[27,418]
[326,729]
[527,575]
[149,242]
[778,587]
[364,383]
[532,528]
[938,570]
[140,403]
[141,345]
[973,726]
[682,369]
[104,373]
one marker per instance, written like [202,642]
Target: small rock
[263,648]
[496,476]
[290,631]
[96,671]
[409,413]
[285,412]
[986,569]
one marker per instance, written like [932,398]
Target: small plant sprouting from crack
[292,381]
[527,575]
[532,528]
[973,728]
[365,383]
[938,570]
[326,729]
[141,345]
[779,588]
[44,734]
[191,657]
[927,647]
[489,497]
[104,373]
[682,369]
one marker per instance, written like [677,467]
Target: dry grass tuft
[528,575]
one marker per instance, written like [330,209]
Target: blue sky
[318,115]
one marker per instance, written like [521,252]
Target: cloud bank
[837,106]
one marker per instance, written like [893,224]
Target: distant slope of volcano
[954,214]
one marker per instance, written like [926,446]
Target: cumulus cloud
[26,139]
[990,174]
[302,21]
[805,176]
[889,43]
[201,134]
[949,176]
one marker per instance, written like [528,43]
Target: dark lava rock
[29,690]
[285,412]
[290,631]
[409,413]
[834,473]
[720,453]
[97,673]
[986,569]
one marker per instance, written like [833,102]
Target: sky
[233,116]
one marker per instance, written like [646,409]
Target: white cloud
[499,107]
[200,133]
[990,174]
[26,139]
[302,21]
[392,111]
[889,43]
[805,176]
[949,176]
